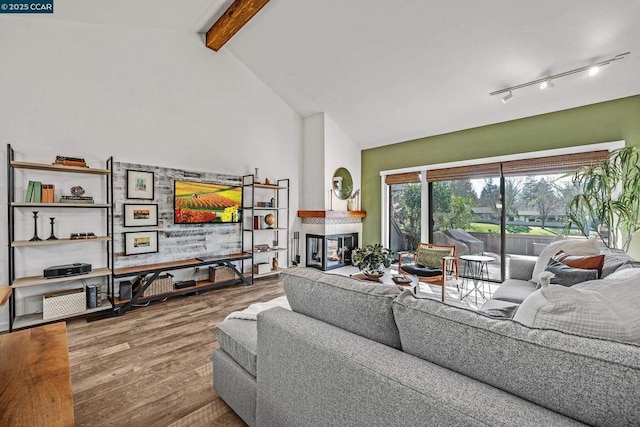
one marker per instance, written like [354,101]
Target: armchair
[432,264]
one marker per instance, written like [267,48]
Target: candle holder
[52,237]
[35,237]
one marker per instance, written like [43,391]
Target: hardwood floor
[152,367]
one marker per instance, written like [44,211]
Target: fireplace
[331,251]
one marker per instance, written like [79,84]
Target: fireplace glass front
[332,251]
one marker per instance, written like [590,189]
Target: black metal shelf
[13,205]
[280,200]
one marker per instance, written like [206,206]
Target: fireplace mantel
[332,214]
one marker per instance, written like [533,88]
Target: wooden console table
[154,270]
[35,380]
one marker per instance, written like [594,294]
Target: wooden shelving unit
[34,319]
[253,193]
[59,205]
[58,168]
[18,257]
[153,271]
[23,243]
[21,282]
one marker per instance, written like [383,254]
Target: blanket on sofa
[251,312]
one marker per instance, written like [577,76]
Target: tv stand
[139,272]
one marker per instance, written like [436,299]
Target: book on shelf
[37,192]
[75,159]
[258,222]
[75,199]
[70,161]
[261,248]
[48,191]
[29,194]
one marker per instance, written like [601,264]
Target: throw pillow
[625,272]
[567,276]
[602,308]
[432,257]
[587,262]
[572,247]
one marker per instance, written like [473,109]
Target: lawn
[479,227]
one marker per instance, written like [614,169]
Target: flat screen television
[204,203]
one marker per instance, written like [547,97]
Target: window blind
[402,178]
[565,163]
[464,172]
[553,165]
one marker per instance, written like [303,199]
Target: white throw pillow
[598,308]
[572,247]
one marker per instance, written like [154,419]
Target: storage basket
[162,285]
[221,274]
[63,303]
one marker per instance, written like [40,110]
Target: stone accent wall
[175,241]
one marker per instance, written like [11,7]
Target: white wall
[313,196]
[326,148]
[339,151]
[142,96]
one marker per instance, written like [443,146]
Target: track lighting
[546,82]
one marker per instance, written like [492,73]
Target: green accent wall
[603,122]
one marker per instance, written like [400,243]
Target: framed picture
[139,185]
[138,215]
[140,242]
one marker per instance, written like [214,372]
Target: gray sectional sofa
[351,353]
[513,291]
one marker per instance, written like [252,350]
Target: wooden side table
[35,377]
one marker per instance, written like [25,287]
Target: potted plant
[372,259]
[610,201]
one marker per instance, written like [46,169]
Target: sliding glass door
[405,216]
[467,213]
[503,210]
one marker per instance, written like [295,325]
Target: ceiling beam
[234,18]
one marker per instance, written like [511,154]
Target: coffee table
[476,269]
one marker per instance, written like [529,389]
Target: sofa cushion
[514,290]
[417,270]
[239,338]
[499,309]
[591,380]
[585,262]
[432,257]
[565,275]
[616,259]
[363,308]
[571,247]
[600,308]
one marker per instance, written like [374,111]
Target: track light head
[547,84]
[593,71]
[507,97]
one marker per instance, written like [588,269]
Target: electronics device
[184,284]
[92,296]
[125,290]
[202,202]
[67,270]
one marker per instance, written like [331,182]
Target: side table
[476,269]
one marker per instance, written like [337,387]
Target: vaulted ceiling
[391,70]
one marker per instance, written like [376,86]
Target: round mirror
[342,183]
